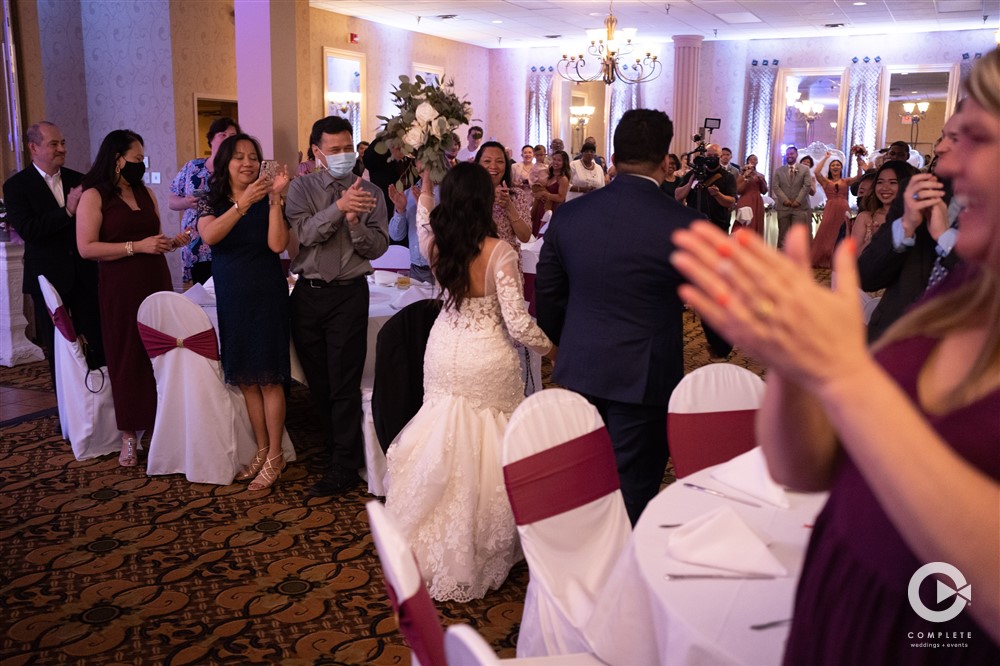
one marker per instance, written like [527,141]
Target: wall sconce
[343,100]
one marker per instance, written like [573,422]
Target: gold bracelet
[129,249]
[236,205]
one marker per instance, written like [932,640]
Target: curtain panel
[761,82]
[864,80]
[538,115]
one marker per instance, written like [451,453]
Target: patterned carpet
[104,565]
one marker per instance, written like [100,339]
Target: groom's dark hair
[642,138]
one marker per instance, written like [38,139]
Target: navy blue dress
[252,296]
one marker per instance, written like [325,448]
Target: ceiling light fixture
[609,46]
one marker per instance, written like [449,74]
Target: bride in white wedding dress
[445,487]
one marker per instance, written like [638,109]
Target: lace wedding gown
[445,487]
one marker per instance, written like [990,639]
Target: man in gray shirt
[340,221]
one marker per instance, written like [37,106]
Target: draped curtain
[624,97]
[864,80]
[538,115]
[760,110]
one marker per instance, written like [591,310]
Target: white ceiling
[527,23]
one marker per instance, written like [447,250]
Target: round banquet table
[646,619]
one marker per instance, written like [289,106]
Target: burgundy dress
[542,205]
[852,606]
[123,284]
[751,195]
[821,252]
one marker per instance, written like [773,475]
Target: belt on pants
[323,284]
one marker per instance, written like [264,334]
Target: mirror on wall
[431,74]
[808,110]
[208,108]
[344,87]
[916,101]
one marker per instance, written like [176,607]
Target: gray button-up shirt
[330,248]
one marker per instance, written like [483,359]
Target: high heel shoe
[250,471]
[269,473]
[127,456]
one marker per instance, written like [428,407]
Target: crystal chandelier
[608,47]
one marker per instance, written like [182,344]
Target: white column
[687,61]
[15,348]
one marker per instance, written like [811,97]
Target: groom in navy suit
[41,205]
[606,293]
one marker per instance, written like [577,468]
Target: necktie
[791,171]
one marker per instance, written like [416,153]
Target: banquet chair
[86,411]
[710,417]
[202,429]
[396,258]
[418,619]
[562,481]
[465,647]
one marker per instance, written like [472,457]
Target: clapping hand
[503,196]
[158,244]
[73,199]
[356,201]
[281,180]
[398,199]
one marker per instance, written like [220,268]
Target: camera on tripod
[700,163]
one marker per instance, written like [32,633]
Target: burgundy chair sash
[158,343]
[63,322]
[562,478]
[701,440]
[420,626]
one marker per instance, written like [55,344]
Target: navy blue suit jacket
[606,292]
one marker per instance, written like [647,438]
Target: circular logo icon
[962,592]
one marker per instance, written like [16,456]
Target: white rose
[426,113]
[415,137]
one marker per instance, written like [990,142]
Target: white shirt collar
[46,176]
[639,175]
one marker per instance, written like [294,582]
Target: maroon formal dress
[123,284]
[542,205]
[852,605]
[821,252]
[751,195]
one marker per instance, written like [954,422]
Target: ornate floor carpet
[104,565]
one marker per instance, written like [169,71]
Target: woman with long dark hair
[511,206]
[890,179]
[242,220]
[445,481]
[119,227]
[552,193]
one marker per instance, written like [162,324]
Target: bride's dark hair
[461,222]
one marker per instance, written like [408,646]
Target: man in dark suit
[606,293]
[41,206]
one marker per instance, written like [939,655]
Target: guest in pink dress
[836,188]
[752,187]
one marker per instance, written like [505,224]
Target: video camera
[700,163]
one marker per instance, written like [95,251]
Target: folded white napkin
[720,539]
[748,473]
[744,215]
[210,286]
[384,278]
[412,295]
[199,295]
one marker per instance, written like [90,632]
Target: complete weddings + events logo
[960,589]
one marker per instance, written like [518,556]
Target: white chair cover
[571,554]
[375,464]
[465,647]
[86,411]
[202,429]
[869,307]
[396,258]
[418,618]
[718,387]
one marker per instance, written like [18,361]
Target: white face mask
[341,163]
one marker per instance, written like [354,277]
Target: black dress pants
[639,437]
[330,331]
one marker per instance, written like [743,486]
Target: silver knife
[718,494]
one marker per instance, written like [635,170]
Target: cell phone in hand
[268,169]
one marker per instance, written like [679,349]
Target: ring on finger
[764,308]
[916,196]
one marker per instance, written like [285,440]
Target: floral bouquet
[859,150]
[425,126]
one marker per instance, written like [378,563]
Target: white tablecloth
[646,619]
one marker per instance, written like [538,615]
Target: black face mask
[712,162]
[133,172]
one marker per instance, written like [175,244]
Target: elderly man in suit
[41,205]
[607,294]
[790,189]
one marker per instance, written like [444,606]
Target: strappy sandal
[253,469]
[269,473]
[127,457]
